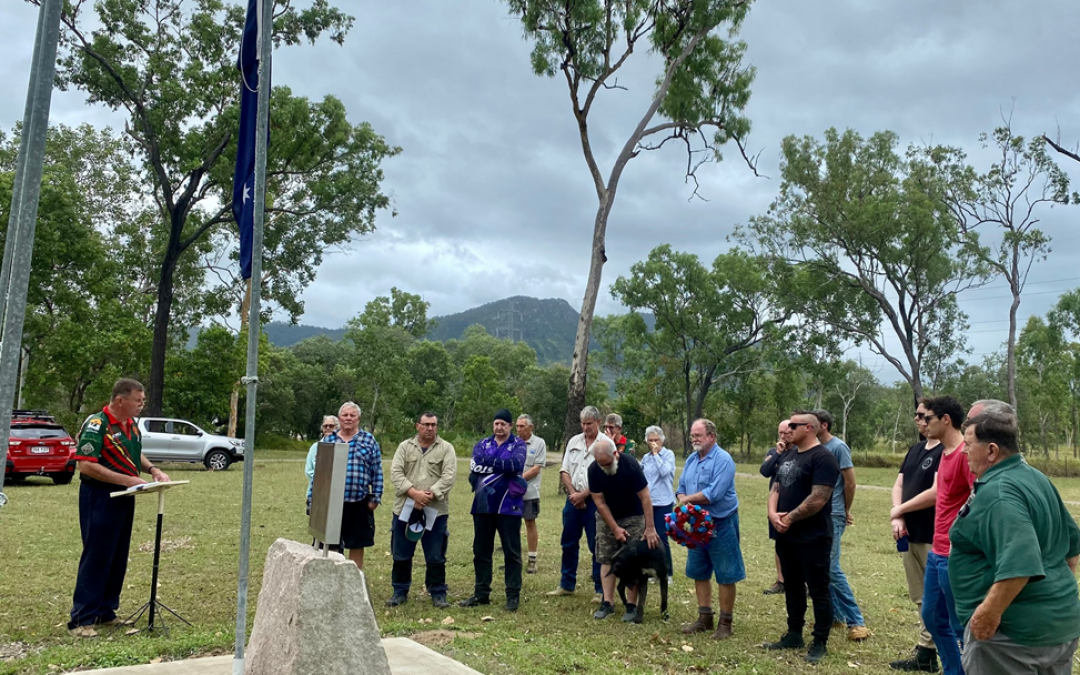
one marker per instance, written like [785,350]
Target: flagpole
[22,221]
[251,379]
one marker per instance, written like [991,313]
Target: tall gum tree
[170,67]
[860,241]
[700,95]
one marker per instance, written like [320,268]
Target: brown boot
[723,626]
[704,622]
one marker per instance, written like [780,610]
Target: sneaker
[789,641]
[531,569]
[858,633]
[397,600]
[630,614]
[924,661]
[558,592]
[473,601]
[439,601]
[116,621]
[775,589]
[816,652]
[598,598]
[606,610]
[512,604]
[83,632]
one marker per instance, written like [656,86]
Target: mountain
[548,326]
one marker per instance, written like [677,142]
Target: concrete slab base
[406,658]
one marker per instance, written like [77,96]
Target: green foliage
[201,380]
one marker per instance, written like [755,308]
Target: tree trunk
[1010,362]
[579,369]
[155,394]
[234,397]
[689,408]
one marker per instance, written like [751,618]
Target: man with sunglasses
[424,469]
[800,509]
[1015,549]
[912,516]
[952,485]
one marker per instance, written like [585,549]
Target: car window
[184,429]
[38,431]
[155,426]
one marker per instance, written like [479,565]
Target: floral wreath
[690,526]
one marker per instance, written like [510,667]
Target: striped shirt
[105,441]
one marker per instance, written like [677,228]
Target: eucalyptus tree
[701,90]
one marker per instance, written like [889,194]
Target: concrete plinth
[314,616]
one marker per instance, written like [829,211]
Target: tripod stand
[152,607]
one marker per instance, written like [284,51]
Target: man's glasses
[429,425]
[795,425]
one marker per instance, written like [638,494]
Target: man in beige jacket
[423,473]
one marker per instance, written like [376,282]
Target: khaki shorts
[606,543]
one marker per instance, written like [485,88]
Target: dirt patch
[10,651]
[440,637]
[168,545]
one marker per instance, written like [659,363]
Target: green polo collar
[1003,465]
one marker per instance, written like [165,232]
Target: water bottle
[902,544]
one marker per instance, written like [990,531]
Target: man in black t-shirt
[912,516]
[800,510]
[624,514]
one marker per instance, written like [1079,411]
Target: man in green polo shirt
[1014,554]
[110,459]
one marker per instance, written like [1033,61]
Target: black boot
[924,661]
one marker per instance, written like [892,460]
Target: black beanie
[505,416]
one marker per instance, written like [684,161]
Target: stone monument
[314,617]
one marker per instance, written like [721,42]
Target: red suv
[39,446]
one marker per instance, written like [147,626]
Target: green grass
[39,551]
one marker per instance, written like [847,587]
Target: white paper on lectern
[430,513]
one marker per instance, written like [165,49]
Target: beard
[697,446]
[612,468]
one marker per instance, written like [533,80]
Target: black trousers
[806,565]
[434,543]
[485,526]
[105,524]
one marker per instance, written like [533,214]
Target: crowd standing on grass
[989,550]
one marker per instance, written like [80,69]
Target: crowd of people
[989,549]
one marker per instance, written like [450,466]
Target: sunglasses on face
[328,426]
[795,425]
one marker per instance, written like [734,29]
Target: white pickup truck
[172,440]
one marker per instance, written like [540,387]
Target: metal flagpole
[19,247]
[251,379]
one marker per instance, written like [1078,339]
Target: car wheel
[62,478]
[217,460]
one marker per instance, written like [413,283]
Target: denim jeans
[661,529]
[576,521]
[939,613]
[845,609]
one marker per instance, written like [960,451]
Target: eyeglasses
[610,426]
[795,425]
[929,416]
[429,425]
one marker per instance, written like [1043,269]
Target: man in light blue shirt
[845,609]
[708,480]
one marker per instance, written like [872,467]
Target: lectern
[159,489]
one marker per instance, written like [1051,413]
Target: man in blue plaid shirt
[363,483]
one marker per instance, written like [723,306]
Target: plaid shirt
[363,476]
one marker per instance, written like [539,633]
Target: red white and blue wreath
[690,526]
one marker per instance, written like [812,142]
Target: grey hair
[614,419]
[654,431]
[332,418]
[349,404]
[605,444]
[528,419]
[994,407]
[590,412]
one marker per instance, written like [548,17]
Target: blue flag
[243,204]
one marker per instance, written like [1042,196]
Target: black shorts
[531,510]
[357,525]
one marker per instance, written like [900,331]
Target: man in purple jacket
[498,505]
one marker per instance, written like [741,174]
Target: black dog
[633,565]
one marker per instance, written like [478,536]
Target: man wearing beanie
[498,505]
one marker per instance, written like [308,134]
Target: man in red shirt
[953,485]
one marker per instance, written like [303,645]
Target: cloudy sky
[493,195]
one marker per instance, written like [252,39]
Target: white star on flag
[247,194]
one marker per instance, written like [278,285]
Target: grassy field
[39,549]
